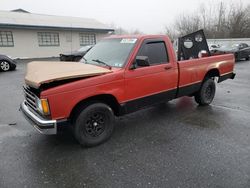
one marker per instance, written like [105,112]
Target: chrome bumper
[48,127]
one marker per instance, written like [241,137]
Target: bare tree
[171,32]
[135,32]
[218,21]
[187,24]
[121,31]
[239,21]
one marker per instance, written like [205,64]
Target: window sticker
[128,41]
[118,64]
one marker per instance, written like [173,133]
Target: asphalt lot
[177,144]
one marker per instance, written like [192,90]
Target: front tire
[206,93]
[76,59]
[94,124]
[4,65]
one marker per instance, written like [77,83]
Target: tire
[4,65]
[206,93]
[236,56]
[62,58]
[247,58]
[94,124]
[76,59]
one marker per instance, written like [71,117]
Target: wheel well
[212,73]
[108,99]
[5,60]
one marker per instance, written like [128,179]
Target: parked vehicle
[120,75]
[214,46]
[75,55]
[240,51]
[6,63]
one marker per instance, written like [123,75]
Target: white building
[28,35]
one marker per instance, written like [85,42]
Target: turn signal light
[45,106]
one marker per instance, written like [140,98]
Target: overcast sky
[149,16]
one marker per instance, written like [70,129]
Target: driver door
[145,86]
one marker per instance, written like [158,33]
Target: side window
[155,51]
[241,46]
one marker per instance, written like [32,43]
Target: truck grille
[30,98]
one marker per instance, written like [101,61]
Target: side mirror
[142,61]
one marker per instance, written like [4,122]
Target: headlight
[43,106]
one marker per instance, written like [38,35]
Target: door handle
[167,68]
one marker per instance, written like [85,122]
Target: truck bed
[192,72]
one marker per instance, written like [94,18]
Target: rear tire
[94,124]
[206,93]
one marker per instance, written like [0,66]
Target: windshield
[113,52]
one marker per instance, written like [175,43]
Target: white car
[214,46]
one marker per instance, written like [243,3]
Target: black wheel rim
[209,92]
[95,124]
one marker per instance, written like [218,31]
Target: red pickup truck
[119,75]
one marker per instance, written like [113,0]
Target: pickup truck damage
[144,72]
[39,73]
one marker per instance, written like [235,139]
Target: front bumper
[44,126]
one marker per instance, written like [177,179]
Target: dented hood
[41,72]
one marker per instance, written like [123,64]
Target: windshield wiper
[85,60]
[101,62]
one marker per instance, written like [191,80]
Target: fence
[229,41]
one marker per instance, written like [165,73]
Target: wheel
[76,59]
[4,65]
[237,57]
[94,124]
[247,58]
[206,93]
[62,58]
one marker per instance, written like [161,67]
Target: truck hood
[43,72]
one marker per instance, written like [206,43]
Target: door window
[155,51]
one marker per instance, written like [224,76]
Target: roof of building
[20,10]
[23,19]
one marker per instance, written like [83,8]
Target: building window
[48,39]
[87,39]
[6,39]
